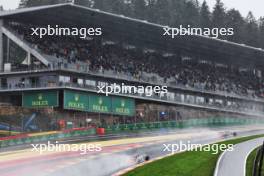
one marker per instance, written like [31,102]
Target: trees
[235,20]
[139,9]
[251,30]
[22,3]
[219,15]
[191,13]
[162,14]
[99,4]
[178,12]
[261,32]
[205,16]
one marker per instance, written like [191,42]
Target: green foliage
[139,8]
[250,162]
[219,15]
[178,12]
[190,163]
[236,21]
[205,16]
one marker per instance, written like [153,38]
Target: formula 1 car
[141,158]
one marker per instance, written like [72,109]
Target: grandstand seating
[185,71]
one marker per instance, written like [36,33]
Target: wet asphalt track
[116,154]
[233,163]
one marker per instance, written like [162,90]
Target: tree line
[247,30]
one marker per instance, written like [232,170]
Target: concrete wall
[1,47]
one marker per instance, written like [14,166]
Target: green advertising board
[123,106]
[76,100]
[38,99]
[91,102]
[102,104]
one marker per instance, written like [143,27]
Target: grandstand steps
[25,46]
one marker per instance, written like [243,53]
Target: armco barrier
[34,138]
[14,137]
[210,122]
[38,137]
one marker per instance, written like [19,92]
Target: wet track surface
[116,154]
[233,163]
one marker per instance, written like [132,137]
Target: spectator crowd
[185,71]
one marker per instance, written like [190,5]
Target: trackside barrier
[33,138]
[14,137]
[209,122]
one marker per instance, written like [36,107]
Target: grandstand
[55,76]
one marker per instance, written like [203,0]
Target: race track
[116,154]
[233,163]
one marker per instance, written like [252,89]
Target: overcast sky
[244,6]
[9,4]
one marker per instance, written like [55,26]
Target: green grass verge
[190,163]
[250,162]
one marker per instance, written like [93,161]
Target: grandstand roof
[137,32]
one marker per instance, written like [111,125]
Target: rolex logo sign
[40,97]
[90,102]
[121,107]
[77,97]
[99,104]
[123,103]
[100,101]
[40,101]
[75,102]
